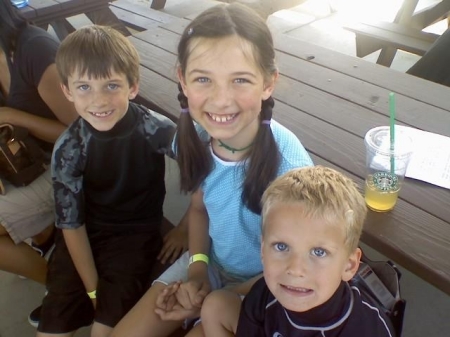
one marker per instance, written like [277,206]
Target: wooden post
[158,4]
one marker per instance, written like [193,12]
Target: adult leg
[21,259]
[43,334]
[45,235]
[142,321]
[24,213]
[100,330]
[228,304]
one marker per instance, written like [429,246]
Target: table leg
[107,18]
[403,16]
[158,4]
[62,28]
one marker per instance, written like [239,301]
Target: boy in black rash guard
[312,221]
[108,178]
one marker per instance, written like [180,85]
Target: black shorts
[123,260]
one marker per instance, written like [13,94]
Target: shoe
[46,248]
[35,316]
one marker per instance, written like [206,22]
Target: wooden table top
[55,13]
[330,100]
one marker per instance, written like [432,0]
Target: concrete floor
[427,311]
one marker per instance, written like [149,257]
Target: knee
[225,302]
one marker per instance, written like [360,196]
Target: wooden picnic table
[329,100]
[408,16]
[55,13]
[405,32]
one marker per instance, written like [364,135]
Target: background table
[56,12]
[329,100]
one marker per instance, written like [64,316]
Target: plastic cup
[385,169]
[19,3]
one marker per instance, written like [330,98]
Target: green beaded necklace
[232,149]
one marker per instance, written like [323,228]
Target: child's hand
[167,300]
[175,244]
[192,293]
[188,300]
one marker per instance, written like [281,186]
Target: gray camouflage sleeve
[67,180]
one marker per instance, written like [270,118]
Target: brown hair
[323,193]
[193,156]
[96,51]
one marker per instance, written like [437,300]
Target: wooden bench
[372,36]
[138,17]
[55,13]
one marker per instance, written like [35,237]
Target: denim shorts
[27,211]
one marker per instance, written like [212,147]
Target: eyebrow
[237,73]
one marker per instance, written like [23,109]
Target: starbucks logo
[385,181]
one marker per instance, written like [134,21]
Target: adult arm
[43,128]
[77,243]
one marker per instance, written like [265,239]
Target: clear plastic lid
[378,140]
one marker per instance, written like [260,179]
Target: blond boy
[312,222]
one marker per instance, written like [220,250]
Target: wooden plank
[394,35]
[431,14]
[143,11]
[104,16]
[136,22]
[368,72]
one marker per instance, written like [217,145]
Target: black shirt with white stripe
[348,313]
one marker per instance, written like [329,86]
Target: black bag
[21,159]
[385,294]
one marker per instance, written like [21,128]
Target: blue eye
[241,80]
[83,87]
[280,246]
[319,252]
[112,86]
[202,80]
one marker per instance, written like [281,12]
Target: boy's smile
[305,259]
[102,102]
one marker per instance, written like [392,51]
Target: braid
[193,158]
[260,171]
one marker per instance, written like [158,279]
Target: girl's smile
[225,97]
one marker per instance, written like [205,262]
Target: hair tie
[185,110]
[265,121]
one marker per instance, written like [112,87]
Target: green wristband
[199,257]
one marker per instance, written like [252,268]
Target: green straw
[392,129]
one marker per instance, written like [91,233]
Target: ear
[182,80]
[269,86]
[66,92]
[352,265]
[134,90]
[262,248]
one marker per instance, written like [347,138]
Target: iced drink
[385,168]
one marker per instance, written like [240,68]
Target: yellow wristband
[199,257]
[92,295]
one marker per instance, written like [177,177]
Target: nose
[297,265]
[99,98]
[221,95]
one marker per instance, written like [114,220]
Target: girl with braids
[229,149]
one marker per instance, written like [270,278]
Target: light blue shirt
[235,231]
